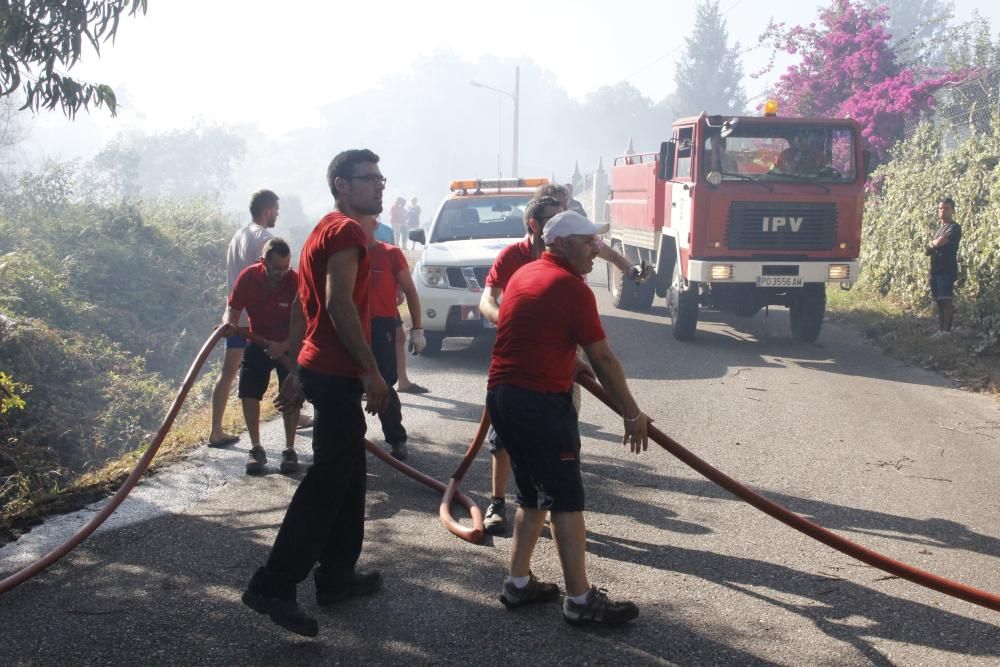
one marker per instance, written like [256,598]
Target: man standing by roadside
[397,220]
[244,249]
[266,291]
[513,257]
[412,217]
[389,275]
[333,365]
[943,251]
[548,310]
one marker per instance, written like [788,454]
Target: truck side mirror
[665,167]
[418,236]
[866,162]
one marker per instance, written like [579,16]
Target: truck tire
[682,305]
[625,294]
[434,342]
[806,315]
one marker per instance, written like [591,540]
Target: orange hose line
[813,530]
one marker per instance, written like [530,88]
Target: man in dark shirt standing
[943,251]
[332,366]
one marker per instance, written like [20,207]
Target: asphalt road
[884,454]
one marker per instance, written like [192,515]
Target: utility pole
[516,97]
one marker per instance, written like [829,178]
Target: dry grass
[906,335]
[189,431]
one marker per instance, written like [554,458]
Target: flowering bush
[849,69]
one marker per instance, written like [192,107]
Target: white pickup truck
[475,222]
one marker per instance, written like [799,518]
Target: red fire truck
[738,213]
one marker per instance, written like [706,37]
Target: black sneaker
[285,613]
[257,462]
[535,591]
[495,521]
[398,450]
[289,461]
[331,590]
[599,610]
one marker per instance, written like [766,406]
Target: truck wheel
[683,309]
[806,314]
[625,294]
[434,342]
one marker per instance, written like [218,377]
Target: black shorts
[384,347]
[255,372]
[943,285]
[236,342]
[541,434]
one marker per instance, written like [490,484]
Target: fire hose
[474,534]
[801,524]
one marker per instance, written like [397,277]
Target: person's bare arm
[612,377]
[412,298]
[489,303]
[290,396]
[609,254]
[341,275]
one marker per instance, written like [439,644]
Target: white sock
[580,599]
[519,582]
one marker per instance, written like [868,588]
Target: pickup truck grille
[781,226]
[456,277]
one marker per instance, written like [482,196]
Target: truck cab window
[684,152]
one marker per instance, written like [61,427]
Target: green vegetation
[905,333]
[901,216]
[102,309]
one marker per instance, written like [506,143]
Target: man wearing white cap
[547,311]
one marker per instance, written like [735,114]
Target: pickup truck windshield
[789,153]
[481,217]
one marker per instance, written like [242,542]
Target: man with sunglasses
[266,290]
[332,366]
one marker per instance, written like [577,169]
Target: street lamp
[516,96]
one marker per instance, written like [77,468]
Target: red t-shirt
[322,350]
[510,259]
[547,311]
[269,310]
[387,261]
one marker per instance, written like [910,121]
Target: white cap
[570,223]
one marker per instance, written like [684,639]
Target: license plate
[779,281]
[488,325]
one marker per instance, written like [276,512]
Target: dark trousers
[325,521]
[384,350]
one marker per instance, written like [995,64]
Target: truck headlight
[714,178]
[838,272]
[433,276]
[722,272]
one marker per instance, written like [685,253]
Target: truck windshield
[783,153]
[480,217]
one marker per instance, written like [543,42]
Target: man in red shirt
[390,274]
[538,211]
[266,291]
[548,310]
[329,341]
[549,200]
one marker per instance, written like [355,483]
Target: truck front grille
[781,226]
[456,276]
